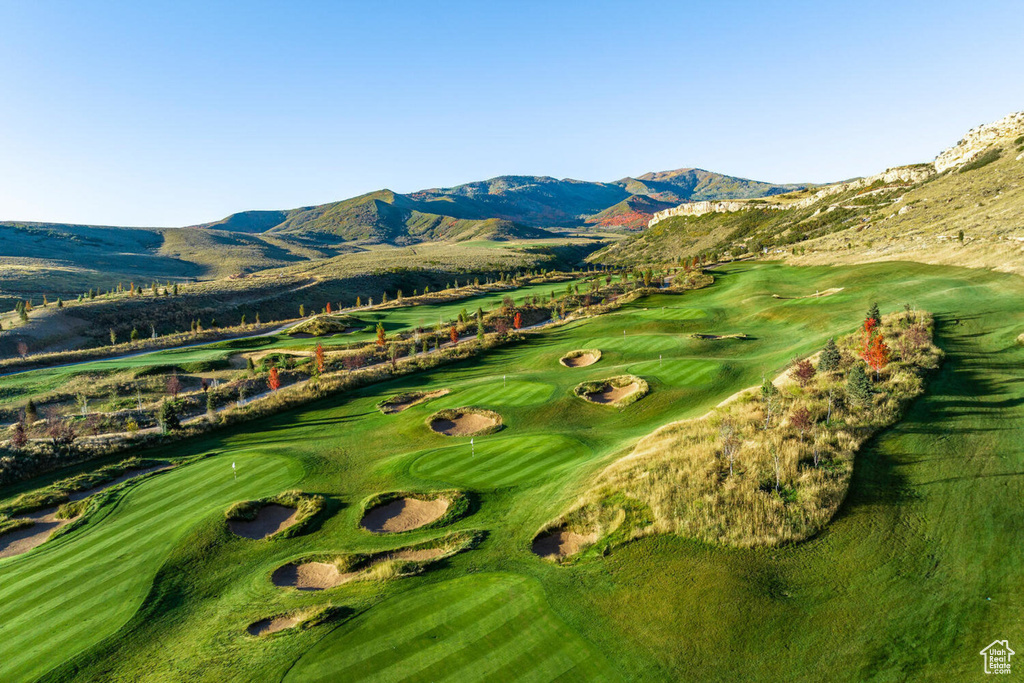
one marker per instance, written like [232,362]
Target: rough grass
[784,484]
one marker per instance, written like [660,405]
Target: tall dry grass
[726,478]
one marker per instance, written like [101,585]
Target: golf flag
[232,465]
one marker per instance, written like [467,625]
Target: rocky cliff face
[974,143]
[978,139]
[901,174]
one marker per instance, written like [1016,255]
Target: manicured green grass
[69,595]
[896,588]
[474,628]
[495,461]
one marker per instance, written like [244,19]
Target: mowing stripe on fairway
[671,313]
[678,372]
[636,345]
[481,627]
[497,392]
[59,600]
[499,461]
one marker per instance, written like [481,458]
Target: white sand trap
[404,514]
[581,361]
[265,627]
[826,292]
[466,424]
[269,520]
[612,394]
[561,544]
[45,521]
[392,408]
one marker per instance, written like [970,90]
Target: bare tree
[83,403]
[776,453]
[770,401]
[730,443]
[174,385]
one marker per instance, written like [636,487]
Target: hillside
[910,213]
[518,202]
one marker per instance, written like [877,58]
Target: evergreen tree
[211,407]
[858,386]
[873,314]
[31,412]
[169,417]
[829,357]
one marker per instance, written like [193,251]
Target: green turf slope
[65,597]
[896,588]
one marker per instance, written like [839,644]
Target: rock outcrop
[979,139]
[900,174]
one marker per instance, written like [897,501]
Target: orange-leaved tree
[320,361]
[382,336]
[517,322]
[453,334]
[273,381]
[877,354]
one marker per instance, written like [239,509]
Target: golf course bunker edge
[465,422]
[618,391]
[396,512]
[580,358]
[557,544]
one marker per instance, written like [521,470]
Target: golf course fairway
[919,570]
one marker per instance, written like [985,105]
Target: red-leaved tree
[517,322]
[329,307]
[877,354]
[453,334]
[273,381]
[320,361]
[803,371]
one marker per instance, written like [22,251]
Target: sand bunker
[318,576]
[580,359]
[464,422]
[713,337]
[404,514]
[269,520]
[561,544]
[827,292]
[399,403]
[612,394]
[265,627]
[310,576]
[45,521]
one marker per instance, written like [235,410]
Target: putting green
[482,627]
[680,373]
[500,461]
[496,392]
[672,313]
[66,596]
[637,344]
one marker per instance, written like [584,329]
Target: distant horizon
[175,115]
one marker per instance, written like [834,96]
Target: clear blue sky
[164,114]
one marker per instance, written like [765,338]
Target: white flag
[232,465]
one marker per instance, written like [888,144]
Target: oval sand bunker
[465,422]
[269,520]
[559,544]
[612,394]
[581,358]
[404,514]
